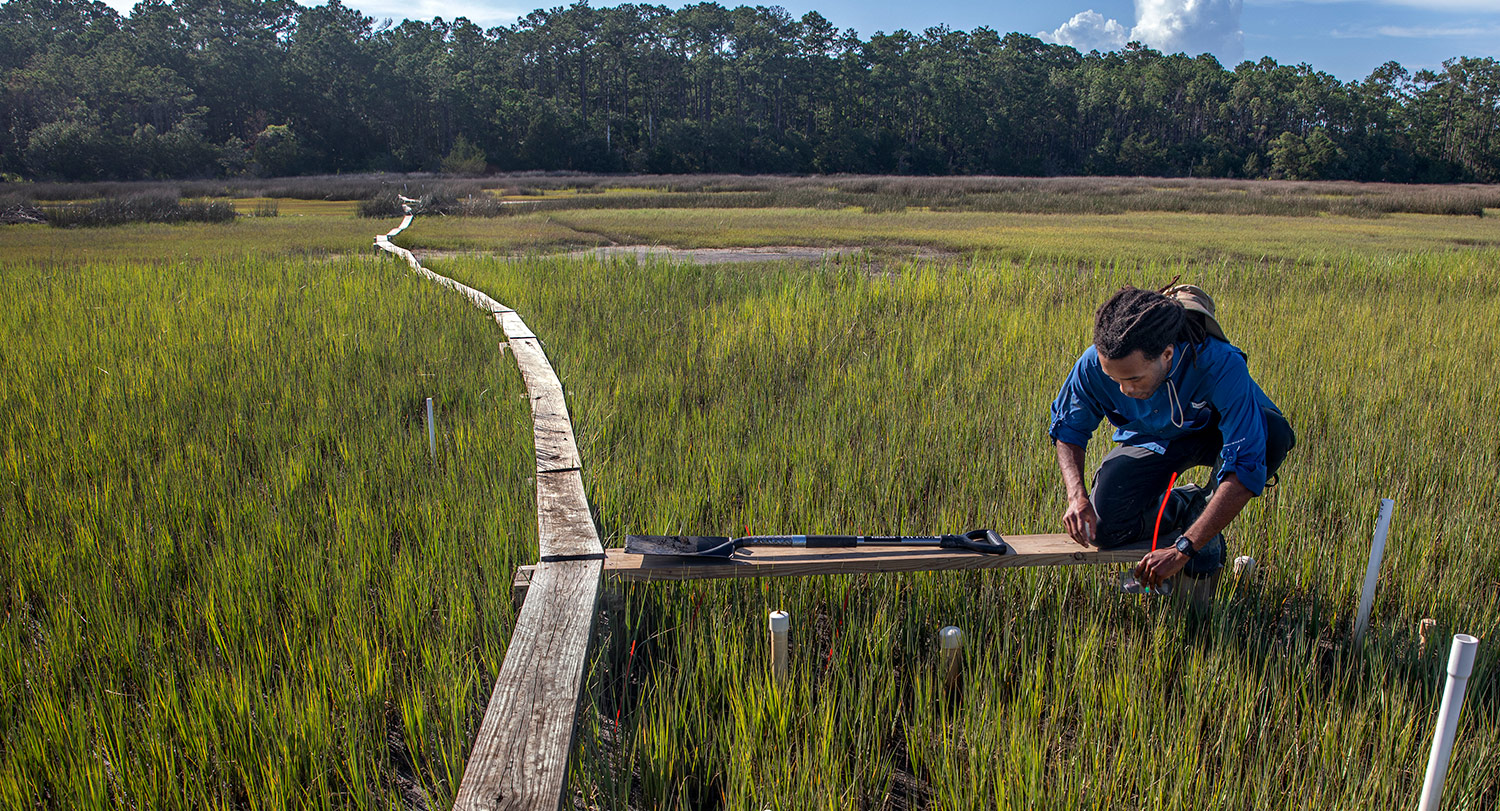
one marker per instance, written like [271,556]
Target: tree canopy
[211,87]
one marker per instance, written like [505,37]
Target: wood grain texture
[552,428]
[565,528]
[514,327]
[535,367]
[520,757]
[552,432]
[770,561]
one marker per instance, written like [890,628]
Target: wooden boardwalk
[520,757]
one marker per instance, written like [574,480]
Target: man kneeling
[1180,396]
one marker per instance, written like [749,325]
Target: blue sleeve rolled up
[1075,412]
[1241,423]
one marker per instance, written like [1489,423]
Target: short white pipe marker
[1372,571]
[431,432]
[952,642]
[781,626]
[1460,665]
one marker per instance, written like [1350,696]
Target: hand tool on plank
[714,546]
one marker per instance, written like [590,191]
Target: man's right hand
[1081,521]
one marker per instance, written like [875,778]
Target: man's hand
[1081,521]
[1157,567]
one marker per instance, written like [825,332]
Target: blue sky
[1347,38]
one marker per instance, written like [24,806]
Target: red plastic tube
[1155,533]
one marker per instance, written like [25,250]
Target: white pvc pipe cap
[951,637]
[1461,657]
[781,622]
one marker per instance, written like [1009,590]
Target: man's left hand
[1156,567]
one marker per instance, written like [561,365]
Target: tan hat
[1192,297]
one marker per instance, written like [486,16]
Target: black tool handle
[987,541]
[980,540]
[837,541]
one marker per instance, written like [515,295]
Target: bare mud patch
[717,256]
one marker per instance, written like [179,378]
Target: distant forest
[199,88]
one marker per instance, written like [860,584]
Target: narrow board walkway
[520,757]
[783,561]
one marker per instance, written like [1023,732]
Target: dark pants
[1131,483]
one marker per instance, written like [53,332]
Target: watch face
[1185,546]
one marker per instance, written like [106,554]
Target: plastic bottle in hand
[1130,584]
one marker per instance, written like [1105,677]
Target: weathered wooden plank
[514,327]
[565,528]
[535,368]
[552,432]
[772,561]
[555,448]
[520,757]
[556,445]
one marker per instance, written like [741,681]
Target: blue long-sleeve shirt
[1210,378]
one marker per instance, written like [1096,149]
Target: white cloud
[1089,31]
[1170,26]
[1418,31]
[1191,26]
[481,13]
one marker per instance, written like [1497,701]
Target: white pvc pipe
[431,432]
[1372,571]
[952,643]
[1460,665]
[781,626]
[1244,567]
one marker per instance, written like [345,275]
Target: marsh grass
[1063,239]
[727,400]
[300,230]
[231,576]
[231,579]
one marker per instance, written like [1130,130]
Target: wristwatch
[1185,546]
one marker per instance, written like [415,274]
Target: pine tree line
[225,87]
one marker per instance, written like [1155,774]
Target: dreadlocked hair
[1146,320]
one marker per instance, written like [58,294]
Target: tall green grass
[231,576]
[775,399]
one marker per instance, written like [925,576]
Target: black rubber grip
[829,541]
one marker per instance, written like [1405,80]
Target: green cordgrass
[730,400]
[289,236]
[1063,238]
[231,576]
[231,579]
